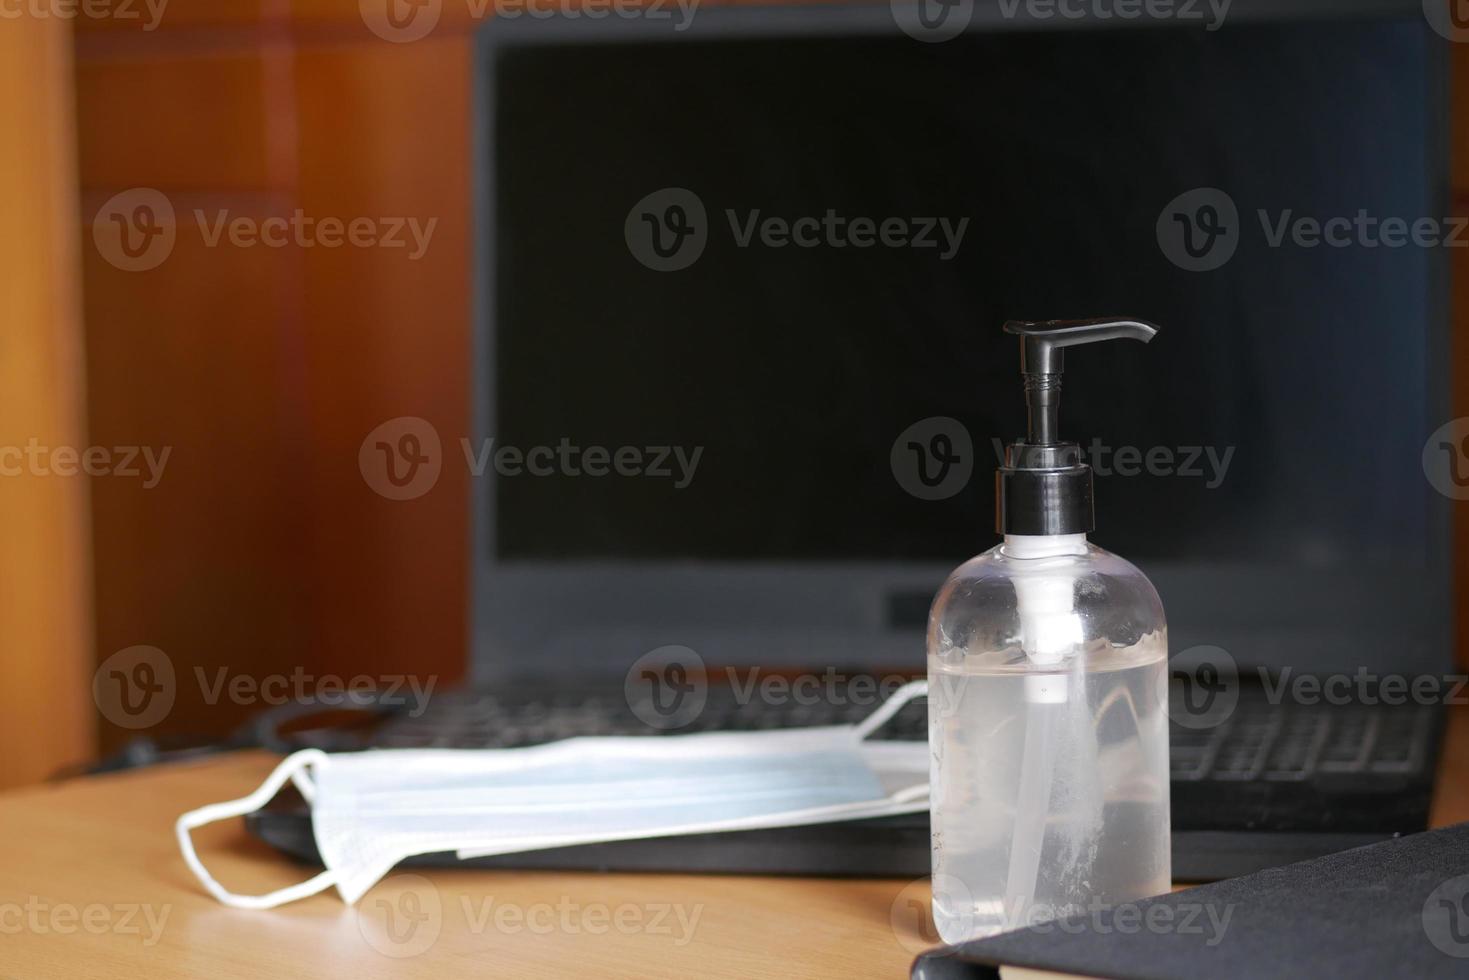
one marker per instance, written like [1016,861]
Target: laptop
[739,386]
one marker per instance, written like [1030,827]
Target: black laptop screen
[776,398]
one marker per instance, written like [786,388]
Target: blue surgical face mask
[371,810]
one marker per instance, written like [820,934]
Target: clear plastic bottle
[1049,739]
[1047,670]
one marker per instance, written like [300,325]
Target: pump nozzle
[1044,487]
[1042,359]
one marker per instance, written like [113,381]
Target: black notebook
[1395,909]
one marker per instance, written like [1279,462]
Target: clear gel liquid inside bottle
[1047,660]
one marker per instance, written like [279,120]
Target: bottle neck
[1043,545]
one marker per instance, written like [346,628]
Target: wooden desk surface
[91,884]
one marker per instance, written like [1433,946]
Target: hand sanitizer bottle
[1047,668]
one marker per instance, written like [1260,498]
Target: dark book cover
[1395,909]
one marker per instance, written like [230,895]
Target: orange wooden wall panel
[167,16]
[263,550]
[189,357]
[173,121]
[46,721]
[384,135]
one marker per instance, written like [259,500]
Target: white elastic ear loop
[288,769]
[910,795]
[890,707]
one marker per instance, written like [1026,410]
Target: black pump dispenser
[1044,487]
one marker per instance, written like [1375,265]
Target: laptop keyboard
[1296,743]
[1351,746]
